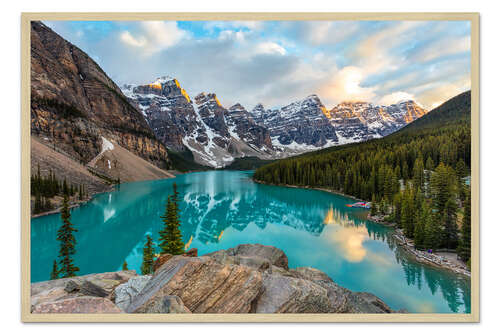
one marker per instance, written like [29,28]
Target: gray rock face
[203,126]
[299,126]
[125,292]
[166,304]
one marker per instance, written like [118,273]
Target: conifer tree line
[170,237]
[414,177]
[43,188]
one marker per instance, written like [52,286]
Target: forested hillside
[416,175]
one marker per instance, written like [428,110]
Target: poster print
[264,167]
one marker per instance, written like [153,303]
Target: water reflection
[223,209]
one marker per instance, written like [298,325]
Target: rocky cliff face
[74,104]
[249,278]
[203,125]
[297,127]
[359,121]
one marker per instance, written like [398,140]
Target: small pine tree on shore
[67,242]
[125,266]
[54,275]
[170,237]
[147,256]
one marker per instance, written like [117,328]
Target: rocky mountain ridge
[213,134]
[250,278]
[216,135]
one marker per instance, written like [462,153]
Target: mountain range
[87,128]
[217,135]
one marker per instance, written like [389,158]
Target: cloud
[270,48]
[442,47]
[277,63]
[376,52]
[154,36]
[325,32]
[432,95]
[345,85]
[127,38]
[395,98]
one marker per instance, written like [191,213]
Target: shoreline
[76,204]
[406,244]
[72,204]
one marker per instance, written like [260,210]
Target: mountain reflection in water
[221,209]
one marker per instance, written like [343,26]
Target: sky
[279,62]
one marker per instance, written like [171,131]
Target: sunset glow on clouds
[278,62]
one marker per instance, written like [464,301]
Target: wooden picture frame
[27,316]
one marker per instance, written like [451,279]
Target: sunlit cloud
[345,85]
[154,36]
[279,62]
[396,97]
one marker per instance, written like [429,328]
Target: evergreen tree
[125,266]
[423,217]
[408,212]
[432,233]
[147,256]
[464,248]
[373,208]
[170,236]
[67,242]
[418,173]
[450,232]
[54,275]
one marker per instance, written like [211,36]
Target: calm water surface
[221,209]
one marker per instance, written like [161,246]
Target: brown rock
[167,304]
[192,252]
[84,304]
[272,254]
[161,260]
[167,256]
[203,284]
[284,294]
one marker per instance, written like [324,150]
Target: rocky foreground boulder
[250,278]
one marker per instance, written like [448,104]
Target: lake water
[221,209]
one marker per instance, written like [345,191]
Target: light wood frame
[27,316]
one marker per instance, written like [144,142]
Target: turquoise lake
[221,209]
